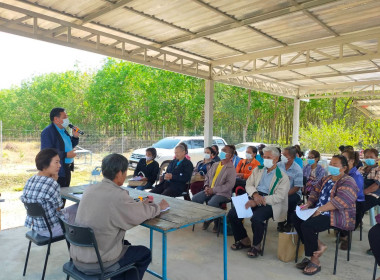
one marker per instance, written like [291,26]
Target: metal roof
[370,108]
[294,48]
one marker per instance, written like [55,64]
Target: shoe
[281,226]
[344,245]
[206,224]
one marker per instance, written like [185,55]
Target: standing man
[56,136]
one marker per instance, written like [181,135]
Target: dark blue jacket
[181,173]
[50,138]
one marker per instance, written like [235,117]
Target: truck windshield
[166,144]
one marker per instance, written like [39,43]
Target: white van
[165,150]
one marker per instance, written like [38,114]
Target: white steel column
[209,111]
[296,121]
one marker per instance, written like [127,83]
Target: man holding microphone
[55,136]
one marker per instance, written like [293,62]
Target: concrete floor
[192,255]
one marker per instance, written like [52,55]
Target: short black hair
[253,149]
[153,151]
[44,157]
[341,148]
[211,151]
[316,154]
[292,151]
[215,148]
[112,164]
[56,112]
[231,148]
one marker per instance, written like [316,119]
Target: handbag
[287,244]
[196,178]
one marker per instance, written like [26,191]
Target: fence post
[1,143]
[122,138]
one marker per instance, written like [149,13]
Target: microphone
[76,129]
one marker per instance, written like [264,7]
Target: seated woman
[149,169]
[236,159]
[177,175]
[299,156]
[216,150]
[312,171]
[43,188]
[245,168]
[267,188]
[201,169]
[334,196]
[353,159]
[374,240]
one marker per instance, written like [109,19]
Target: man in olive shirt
[109,211]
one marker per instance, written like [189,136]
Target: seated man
[219,182]
[109,211]
[295,174]
[267,188]
[177,175]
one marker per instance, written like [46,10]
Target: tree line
[144,99]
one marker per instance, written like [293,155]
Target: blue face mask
[311,161]
[369,161]
[334,170]
[222,155]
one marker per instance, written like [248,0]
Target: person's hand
[208,191]
[250,203]
[168,176]
[317,213]
[258,199]
[144,179]
[76,133]
[305,206]
[163,204]
[71,154]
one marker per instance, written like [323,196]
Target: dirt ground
[17,166]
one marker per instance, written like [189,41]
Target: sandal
[253,252]
[312,265]
[303,264]
[239,245]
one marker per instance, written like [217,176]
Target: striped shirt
[46,191]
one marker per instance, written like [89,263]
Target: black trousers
[260,215]
[64,182]
[370,201]
[292,204]
[168,189]
[308,231]
[140,256]
[374,241]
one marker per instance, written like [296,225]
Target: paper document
[305,214]
[166,209]
[239,203]
[137,178]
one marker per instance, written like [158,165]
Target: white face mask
[206,156]
[284,159]
[148,158]
[248,156]
[66,122]
[268,163]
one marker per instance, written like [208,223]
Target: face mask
[206,156]
[148,158]
[248,156]
[65,122]
[268,163]
[222,155]
[334,170]
[311,161]
[369,161]
[284,159]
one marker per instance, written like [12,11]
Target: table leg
[225,246]
[151,241]
[164,256]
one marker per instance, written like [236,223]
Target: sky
[22,58]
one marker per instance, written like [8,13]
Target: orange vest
[246,168]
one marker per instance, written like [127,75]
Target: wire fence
[115,141]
